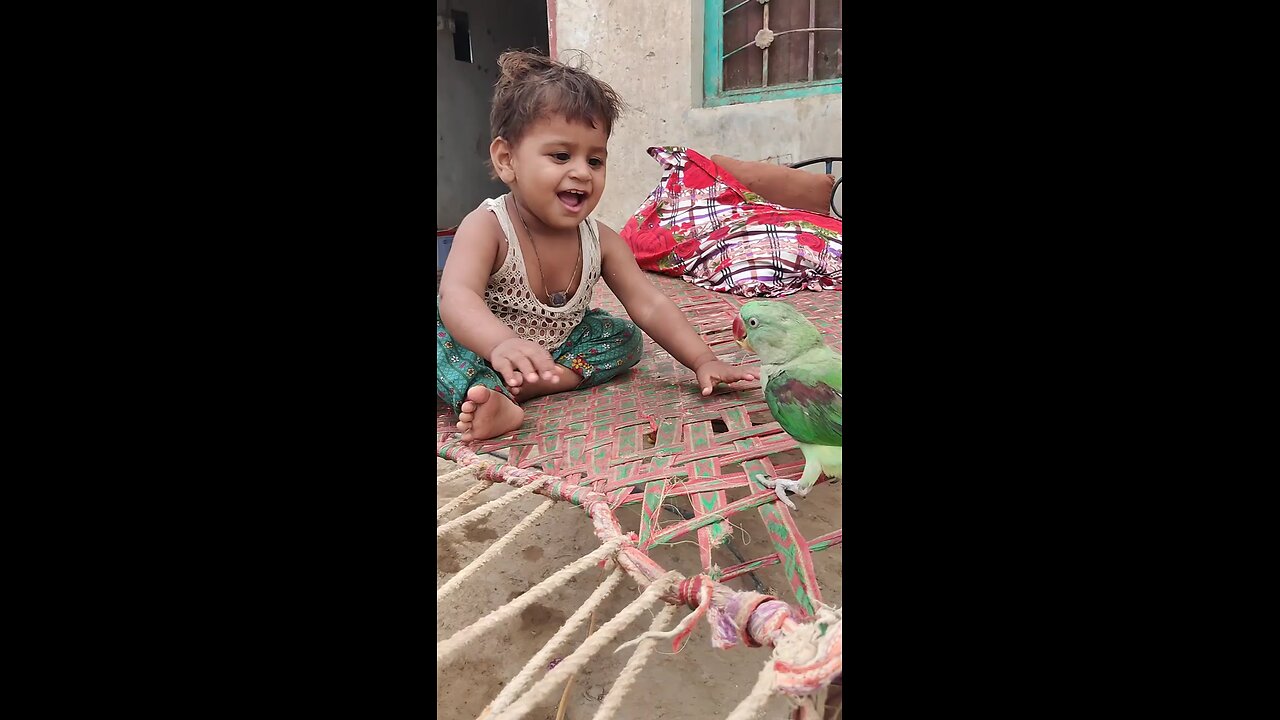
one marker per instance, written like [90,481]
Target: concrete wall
[464,91]
[651,53]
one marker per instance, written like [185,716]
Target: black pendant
[558,299]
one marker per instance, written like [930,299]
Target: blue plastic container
[443,243]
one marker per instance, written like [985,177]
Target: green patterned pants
[599,349]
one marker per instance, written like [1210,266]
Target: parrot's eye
[753,322]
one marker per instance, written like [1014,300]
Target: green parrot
[802,384]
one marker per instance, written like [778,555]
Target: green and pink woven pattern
[649,436]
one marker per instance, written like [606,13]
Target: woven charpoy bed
[644,439]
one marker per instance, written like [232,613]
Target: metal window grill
[766,36]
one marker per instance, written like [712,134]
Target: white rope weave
[492,551]
[628,676]
[540,659]
[587,650]
[447,648]
[461,471]
[453,504]
[753,703]
[485,509]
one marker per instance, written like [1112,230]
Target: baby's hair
[531,86]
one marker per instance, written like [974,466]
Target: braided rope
[485,509]
[628,676]
[744,625]
[570,665]
[753,703]
[492,551]
[471,492]
[461,471]
[447,648]
[539,660]
[686,625]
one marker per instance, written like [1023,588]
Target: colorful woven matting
[649,435]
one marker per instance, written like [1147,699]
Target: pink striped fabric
[702,224]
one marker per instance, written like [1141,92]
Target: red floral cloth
[701,224]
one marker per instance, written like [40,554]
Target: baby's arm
[463,310]
[658,316]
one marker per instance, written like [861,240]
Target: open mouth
[573,199]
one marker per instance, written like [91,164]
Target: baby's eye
[561,157]
[596,162]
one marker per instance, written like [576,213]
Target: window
[461,36]
[771,49]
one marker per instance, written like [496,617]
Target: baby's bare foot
[487,414]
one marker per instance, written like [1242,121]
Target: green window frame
[713,94]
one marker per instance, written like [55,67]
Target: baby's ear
[500,158]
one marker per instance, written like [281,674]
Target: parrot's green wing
[808,402]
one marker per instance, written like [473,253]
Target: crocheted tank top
[512,301]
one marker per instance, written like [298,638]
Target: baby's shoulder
[482,220]
[611,244]
[481,232]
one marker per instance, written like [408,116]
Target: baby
[512,317]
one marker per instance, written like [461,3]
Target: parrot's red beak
[740,333]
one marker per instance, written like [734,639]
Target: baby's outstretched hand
[519,361]
[713,371]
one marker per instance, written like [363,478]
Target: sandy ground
[698,682]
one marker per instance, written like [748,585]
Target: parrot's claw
[780,486]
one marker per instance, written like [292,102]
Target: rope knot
[689,592]
[693,593]
[810,657]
